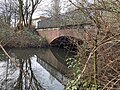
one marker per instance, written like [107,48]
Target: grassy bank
[24,38]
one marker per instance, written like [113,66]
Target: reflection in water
[27,79]
[61,54]
[38,70]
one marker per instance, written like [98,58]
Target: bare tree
[56,8]
[26,10]
[100,66]
[8,9]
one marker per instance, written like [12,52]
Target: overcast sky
[46,4]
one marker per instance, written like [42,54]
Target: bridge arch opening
[66,42]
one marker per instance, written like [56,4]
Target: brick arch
[67,38]
[52,33]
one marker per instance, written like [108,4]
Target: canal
[38,69]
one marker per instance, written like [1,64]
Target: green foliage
[74,63]
[86,82]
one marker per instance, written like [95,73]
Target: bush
[24,38]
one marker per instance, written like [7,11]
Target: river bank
[21,39]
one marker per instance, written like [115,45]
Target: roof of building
[74,18]
[40,18]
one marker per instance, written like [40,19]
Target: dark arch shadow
[67,42]
[61,54]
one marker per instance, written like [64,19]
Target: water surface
[39,69]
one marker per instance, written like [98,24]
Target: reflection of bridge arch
[60,77]
[54,33]
[54,66]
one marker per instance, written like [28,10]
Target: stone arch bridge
[52,34]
